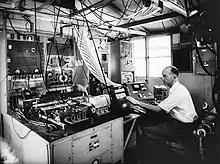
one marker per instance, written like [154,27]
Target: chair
[191,148]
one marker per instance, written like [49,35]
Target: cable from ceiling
[138,3]
[147,11]
[163,25]
[124,12]
[121,18]
[134,11]
[181,3]
[10,22]
[176,21]
[97,9]
[95,14]
[175,24]
[104,13]
[84,17]
[123,3]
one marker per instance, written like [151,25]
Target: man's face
[168,76]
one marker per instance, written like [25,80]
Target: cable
[181,3]
[173,22]
[125,10]
[51,44]
[134,11]
[163,25]
[38,45]
[95,14]
[104,13]
[125,6]
[213,51]
[4,79]
[14,28]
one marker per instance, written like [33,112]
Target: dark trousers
[153,139]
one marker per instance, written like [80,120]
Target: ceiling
[120,18]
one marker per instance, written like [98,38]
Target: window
[139,57]
[159,54]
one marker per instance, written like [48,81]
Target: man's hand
[132,100]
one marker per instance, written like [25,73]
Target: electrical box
[121,60]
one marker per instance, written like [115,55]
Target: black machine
[24,57]
[119,105]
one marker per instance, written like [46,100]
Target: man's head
[170,75]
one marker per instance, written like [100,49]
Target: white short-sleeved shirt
[179,104]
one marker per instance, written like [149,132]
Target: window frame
[148,56]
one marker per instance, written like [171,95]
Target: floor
[130,157]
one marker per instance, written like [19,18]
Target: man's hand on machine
[132,100]
[136,106]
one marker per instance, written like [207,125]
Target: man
[178,106]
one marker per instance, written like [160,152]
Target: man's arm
[143,105]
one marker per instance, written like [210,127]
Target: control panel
[56,78]
[140,91]
[127,77]
[119,104]
[24,57]
[160,92]
[60,66]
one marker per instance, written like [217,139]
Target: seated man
[178,106]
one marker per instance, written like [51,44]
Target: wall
[199,87]
[195,79]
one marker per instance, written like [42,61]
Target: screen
[27,61]
[118,93]
[136,87]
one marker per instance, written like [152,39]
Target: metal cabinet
[102,143]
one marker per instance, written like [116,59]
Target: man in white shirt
[178,106]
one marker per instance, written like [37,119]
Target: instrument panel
[140,91]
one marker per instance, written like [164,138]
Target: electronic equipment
[127,77]
[140,91]
[24,57]
[119,105]
[57,78]
[68,111]
[26,81]
[160,92]
[60,66]
[121,61]
[95,86]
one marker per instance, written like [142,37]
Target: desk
[127,119]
